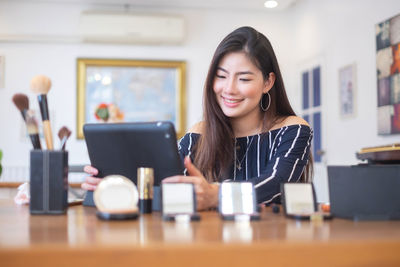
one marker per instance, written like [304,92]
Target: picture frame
[387,39]
[347,91]
[122,90]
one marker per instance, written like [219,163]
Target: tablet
[121,148]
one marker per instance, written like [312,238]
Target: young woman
[249,130]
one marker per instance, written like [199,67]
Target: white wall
[337,32]
[204,28]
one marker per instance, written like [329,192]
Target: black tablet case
[121,148]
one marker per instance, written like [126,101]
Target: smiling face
[239,85]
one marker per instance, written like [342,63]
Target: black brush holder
[48,182]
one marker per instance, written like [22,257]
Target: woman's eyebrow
[244,72]
[237,73]
[222,69]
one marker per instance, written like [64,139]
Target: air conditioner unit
[131,28]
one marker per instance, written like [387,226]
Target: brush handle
[62,143]
[23,113]
[44,110]
[48,135]
[35,141]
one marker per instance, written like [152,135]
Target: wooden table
[80,239]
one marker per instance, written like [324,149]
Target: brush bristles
[31,123]
[40,85]
[64,132]
[21,101]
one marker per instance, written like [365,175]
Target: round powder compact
[116,198]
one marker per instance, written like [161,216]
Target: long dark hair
[214,151]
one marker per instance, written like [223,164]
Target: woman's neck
[247,126]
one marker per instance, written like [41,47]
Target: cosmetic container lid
[116,194]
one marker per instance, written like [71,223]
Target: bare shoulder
[197,128]
[293,120]
[290,120]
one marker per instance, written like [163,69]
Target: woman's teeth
[231,100]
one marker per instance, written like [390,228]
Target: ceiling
[249,5]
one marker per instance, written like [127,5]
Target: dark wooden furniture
[389,154]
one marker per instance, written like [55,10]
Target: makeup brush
[40,85]
[32,128]
[21,101]
[63,134]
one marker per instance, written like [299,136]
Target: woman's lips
[231,102]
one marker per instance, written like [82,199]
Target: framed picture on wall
[112,90]
[347,88]
[388,75]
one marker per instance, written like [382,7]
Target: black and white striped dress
[266,159]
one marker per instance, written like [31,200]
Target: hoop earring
[262,100]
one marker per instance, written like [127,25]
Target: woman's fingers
[90,183]
[172,179]
[90,170]
[93,180]
[182,179]
[88,187]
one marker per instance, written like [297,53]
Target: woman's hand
[90,181]
[206,193]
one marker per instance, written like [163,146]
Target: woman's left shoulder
[296,131]
[294,120]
